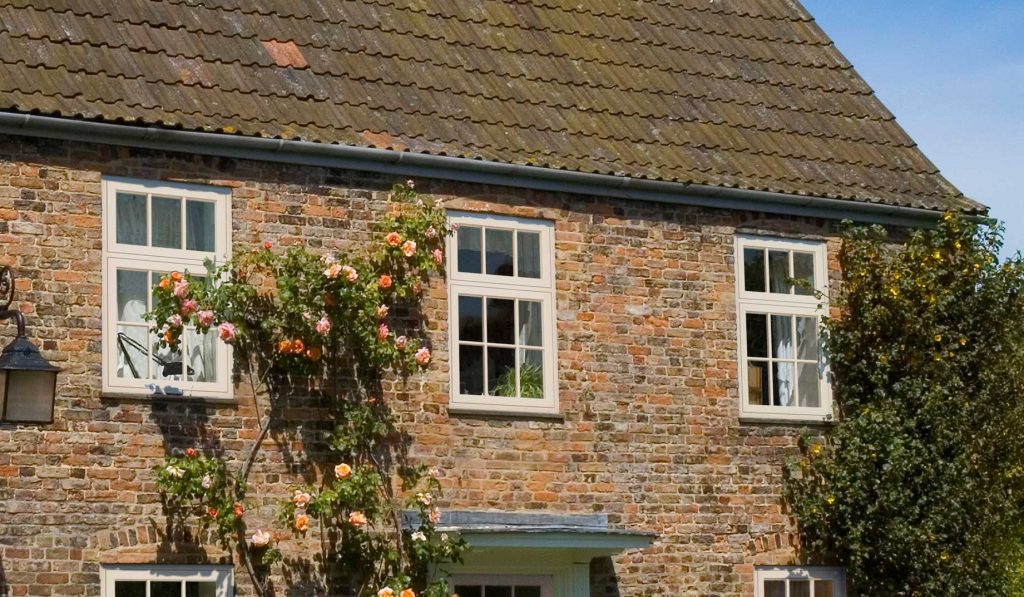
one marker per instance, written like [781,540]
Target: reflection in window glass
[131,219]
[199,226]
[166,222]
[528,249]
[803,269]
[130,588]
[778,272]
[499,252]
[774,588]
[501,371]
[753,270]
[471,319]
[469,250]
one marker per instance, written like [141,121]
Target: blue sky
[952,71]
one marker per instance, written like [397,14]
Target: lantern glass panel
[29,396]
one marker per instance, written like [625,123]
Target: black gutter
[417,165]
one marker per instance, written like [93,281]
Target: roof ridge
[40,63]
[455,118]
[442,39]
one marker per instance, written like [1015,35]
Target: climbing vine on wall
[324,332]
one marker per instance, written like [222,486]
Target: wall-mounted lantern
[28,382]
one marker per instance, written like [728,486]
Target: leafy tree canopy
[918,489]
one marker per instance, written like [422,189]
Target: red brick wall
[647,373]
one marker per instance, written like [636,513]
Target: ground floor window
[495,585]
[788,581]
[167,581]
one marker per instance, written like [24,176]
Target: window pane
[469,249]
[132,358]
[499,252]
[469,590]
[199,225]
[501,323]
[782,337]
[803,269]
[531,327]
[757,383]
[496,591]
[778,272]
[529,254]
[527,591]
[165,589]
[757,335]
[131,219]
[823,588]
[501,371]
[200,589]
[753,270]
[167,364]
[166,222]
[130,588]
[783,382]
[808,384]
[132,291]
[799,588]
[471,370]
[202,356]
[471,322]
[774,588]
[807,338]
[531,373]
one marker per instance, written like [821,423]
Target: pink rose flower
[423,356]
[357,519]
[323,327]
[174,320]
[410,183]
[393,239]
[301,499]
[383,331]
[386,592]
[384,281]
[332,271]
[382,311]
[431,232]
[189,306]
[401,342]
[434,516]
[350,273]
[181,288]
[417,287]
[438,256]
[205,318]
[455,226]
[227,332]
[409,248]
[260,538]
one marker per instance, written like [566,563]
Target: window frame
[540,289]
[125,256]
[781,304]
[834,573]
[545,581]
[221,574]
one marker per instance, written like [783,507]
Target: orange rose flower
[168,337]
[407,593]
[176,276]
[393,239]
[284,346]
[212,512]
[385,281]
[314,353]
[298,347]
[302,523]
[239,509]
[165,283]
[357,519]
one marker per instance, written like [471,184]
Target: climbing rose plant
[323,332]
[919,488]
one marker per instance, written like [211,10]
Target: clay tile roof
[736,93]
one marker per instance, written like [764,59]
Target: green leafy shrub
[919,487]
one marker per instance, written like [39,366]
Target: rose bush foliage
[919,487]
[330,329]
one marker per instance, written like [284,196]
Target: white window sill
[496,411]
[787,419]
[150,397]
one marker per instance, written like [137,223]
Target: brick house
[653,173]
